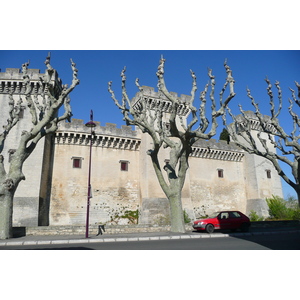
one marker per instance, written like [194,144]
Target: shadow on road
[275,240]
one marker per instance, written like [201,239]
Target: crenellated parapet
[108,136]
[11,81]
[249,119]
[160,101]
[109,129]
[219,150]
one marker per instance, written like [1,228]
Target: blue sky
[97,67]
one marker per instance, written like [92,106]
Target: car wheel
[209,228]
[245,227]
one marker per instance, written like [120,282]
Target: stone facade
[114,190]
[31,197]
[217,176]
[221,175]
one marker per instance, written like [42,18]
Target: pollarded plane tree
[272,141]
[44,121]
[169,130]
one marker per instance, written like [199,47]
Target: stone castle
[221,175]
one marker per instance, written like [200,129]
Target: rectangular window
[220,173]
[77,162]
[124,165]
[268,173]
[234,214]
[224,215]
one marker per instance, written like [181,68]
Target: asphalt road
[288,241]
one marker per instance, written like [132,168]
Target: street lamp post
[91,125]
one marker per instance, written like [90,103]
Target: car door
[224,220]
[235,220]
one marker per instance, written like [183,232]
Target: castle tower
[154,204]
[261,177]
[31,200]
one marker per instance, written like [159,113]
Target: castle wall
[217,178]
[114,191]
[258,185]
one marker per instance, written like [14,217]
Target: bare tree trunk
[44,119]
[298,195]
[6,211]
[177,220]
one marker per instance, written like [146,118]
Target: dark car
[223,220]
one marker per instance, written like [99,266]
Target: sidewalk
[75,239]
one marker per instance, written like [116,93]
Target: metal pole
[90,124]
[89,189]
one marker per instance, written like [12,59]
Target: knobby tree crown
[168,128]
[271,141]
[44,115]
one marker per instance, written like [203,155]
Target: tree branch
[47,123]
[200,133]
[13,118]
[275,132]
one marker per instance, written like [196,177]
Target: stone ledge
[93,230]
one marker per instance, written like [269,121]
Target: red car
[223,220]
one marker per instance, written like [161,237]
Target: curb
[144,238]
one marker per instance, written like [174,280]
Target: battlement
[77,125]
[108,136]
[11,81]
[159,100]
[16,74]
[149,91]
[221,150]
[252,120]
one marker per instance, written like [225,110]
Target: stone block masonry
[93,229]
[110,129]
